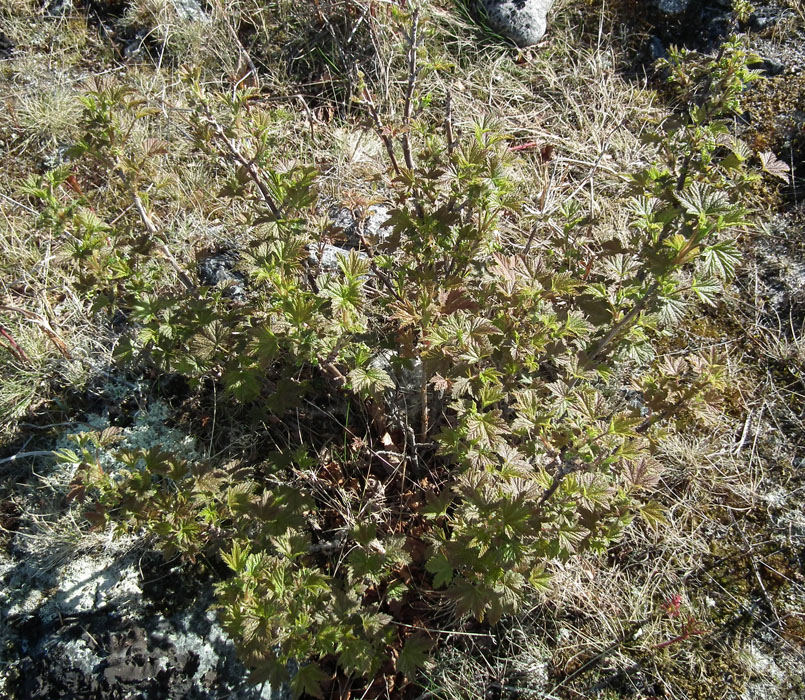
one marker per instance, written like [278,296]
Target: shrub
[493,373]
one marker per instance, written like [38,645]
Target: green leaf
[236,558]
[66,456]
[623,424]
[308,680]
[244,382]
[353,265]
[414,655]
[441,569]
[365,563]
[654,514]
[576,325]
[707,290]
[485,428]
[437,506]
[721,259]
[671,308]
[702,201]
[396,591]
[357,656]
[286,395]
[211,340]
[370,380]
[292,544]
[470,599]
[540,579]
[775,167]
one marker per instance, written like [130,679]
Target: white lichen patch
[17,596]
[767,675]
[65,585]
[92,583]
[150,428]
[82,655]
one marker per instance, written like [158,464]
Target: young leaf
[707,290]
[470,599]
[370,380]
[654,514]
[775,167]
[539,579]
[243,382]
[721,258]
[700,200]
[623,424]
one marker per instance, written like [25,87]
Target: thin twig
[558,478]
[423,398]
[157,240]
[378,272]
[243,53]
[310,118]
[19,204]
[14,347]
[448,124]
[44,324]
[603,654]
[381,130]
[744,433]
[249,167]
[25,455]
[622,324]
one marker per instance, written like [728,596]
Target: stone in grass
[326,257]
[59,8]
[352,227]
[672,7]
[189,10]
[6,46]
[218,270]
[522,21]
[351,230]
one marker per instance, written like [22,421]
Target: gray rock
[6,46]
[522,21]
[348,228]
[404,405]
[59,8]
[369,225]
[672,7]
[218,270]
[134,47]
[657,49]
[189,10]
[759,22]
[326,256]
[94,626]
[771,67]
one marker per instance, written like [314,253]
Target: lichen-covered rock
[522,21]
[113,624]
[672,7]
[369,225]
[218,270]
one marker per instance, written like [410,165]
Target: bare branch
[413,70]
[248,166]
